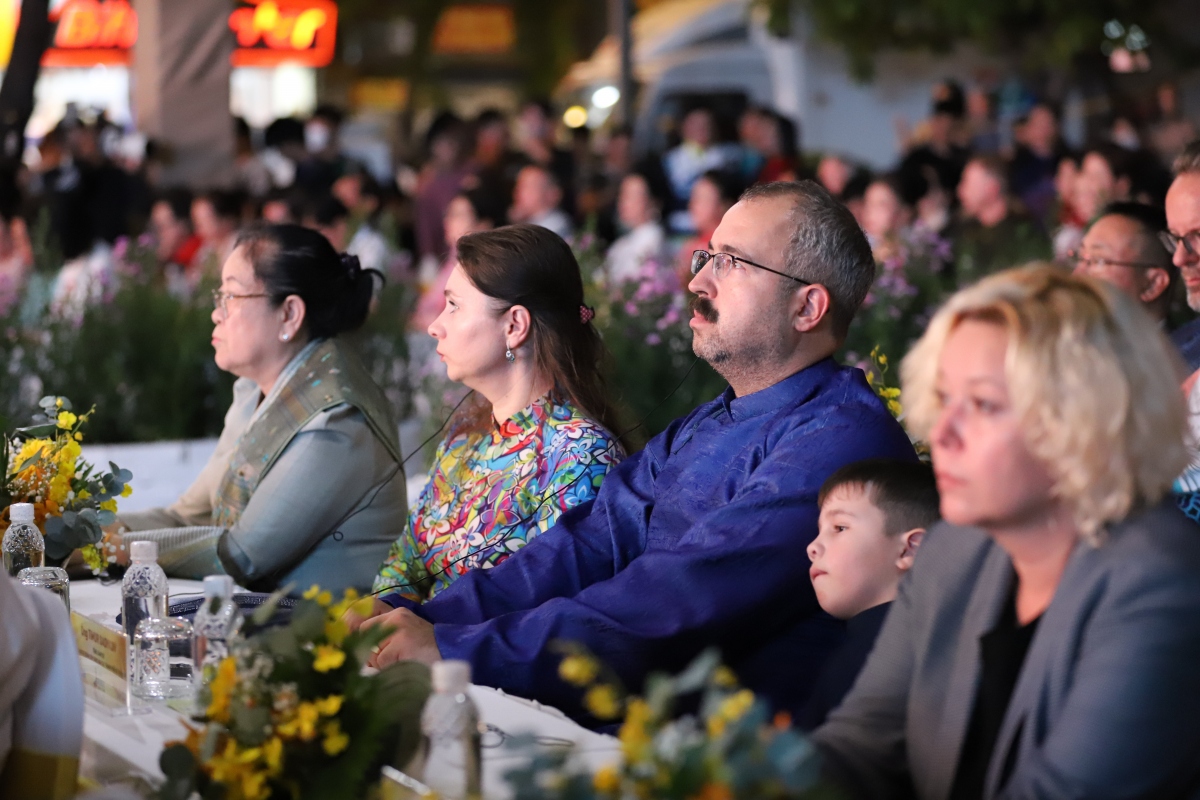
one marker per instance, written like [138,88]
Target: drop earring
[508,354]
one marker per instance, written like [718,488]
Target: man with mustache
[699,540]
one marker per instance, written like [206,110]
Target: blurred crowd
[997,197]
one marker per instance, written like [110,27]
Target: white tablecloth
[126,748]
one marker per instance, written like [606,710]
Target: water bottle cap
[21,513]
[218,586]
[143,551]
[451,677]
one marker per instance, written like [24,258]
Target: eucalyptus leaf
[698,672]
[106,518]
[32,461]
[308,620]
[250,725]
[177,762]
[262,615]
[55,527]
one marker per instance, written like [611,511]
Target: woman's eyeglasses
[221,299]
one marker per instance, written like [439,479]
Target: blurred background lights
[575,117]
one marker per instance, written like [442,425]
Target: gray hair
[1188,162]
[827,246]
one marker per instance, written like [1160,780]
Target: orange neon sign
[272,32]
[92,32]
[268,32]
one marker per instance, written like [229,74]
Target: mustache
[704,307]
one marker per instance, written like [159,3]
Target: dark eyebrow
[731,249]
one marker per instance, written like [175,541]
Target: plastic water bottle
[451,734]
[23,545]
[217,619]
[144,588]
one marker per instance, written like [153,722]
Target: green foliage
[145,359]
[1042,33]
[730,748]
[282,720]
[644,323]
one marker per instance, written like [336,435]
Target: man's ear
[910,541]
[813,305]
[1157,282]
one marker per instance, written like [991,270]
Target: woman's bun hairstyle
[294,260]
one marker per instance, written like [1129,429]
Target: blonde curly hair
[1091,375]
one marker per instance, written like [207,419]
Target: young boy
[873,515]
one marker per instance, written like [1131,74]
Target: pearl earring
[508,353]
[283,337]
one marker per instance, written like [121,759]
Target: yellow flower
[67,420]
[890,394]
[578,670]
[336,631]
[254,786]
[724,676]
[326,658]
[607,780]
[895,408]
[109,505]
[351,600]
[330,706]
[634,735]
[731,709]
[78,436]
[302,726]
[883,359]
[314,593]
[92,557]
[602,702]
[222,688]
[273,754]
[58,403]
[84,494]
[128,490]
[335,740]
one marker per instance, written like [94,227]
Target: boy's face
[855,564]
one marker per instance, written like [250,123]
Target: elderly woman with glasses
[1045,642]
[307,482]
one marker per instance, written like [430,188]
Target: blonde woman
[1047,642]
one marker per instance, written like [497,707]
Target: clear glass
[51,578]
[23,548]
[143,595]
[162,659]
[453,745]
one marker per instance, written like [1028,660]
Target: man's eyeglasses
[723,263]
[1099,262]
[221,299]
[1190,242]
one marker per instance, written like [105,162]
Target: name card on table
[100,644]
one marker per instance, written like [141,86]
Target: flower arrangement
[644,322]
[72,500]
[909,286]
[289,713]
[732,747]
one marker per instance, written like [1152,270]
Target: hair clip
[586,314]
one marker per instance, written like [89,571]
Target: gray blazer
[1108,700]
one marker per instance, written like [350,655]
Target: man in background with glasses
[1182,240]
[1123,247]
[699,539]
